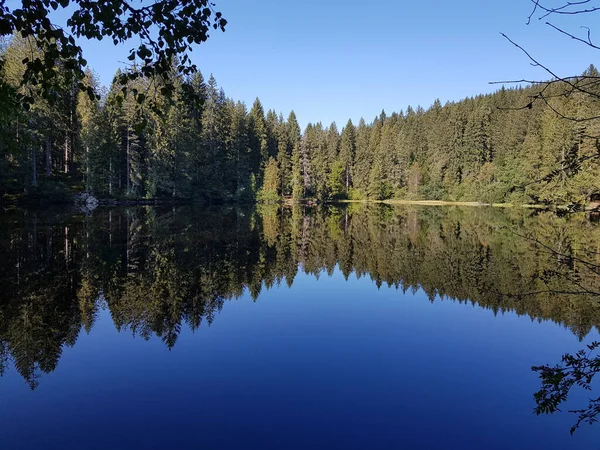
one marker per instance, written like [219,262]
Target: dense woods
[197,144]
[159,270]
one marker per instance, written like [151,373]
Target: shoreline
[448,203]
[588,208]
[592,207]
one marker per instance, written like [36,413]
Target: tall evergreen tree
[347,153]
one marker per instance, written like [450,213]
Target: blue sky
[331,60]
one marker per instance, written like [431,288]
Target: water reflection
[157,270]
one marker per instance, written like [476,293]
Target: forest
[185,139]
[158,271]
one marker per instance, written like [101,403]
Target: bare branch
[536,4]
[586,42]
[572,82]
[569,8]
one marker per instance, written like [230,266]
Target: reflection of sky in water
[325,364]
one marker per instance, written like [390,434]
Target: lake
[359,327]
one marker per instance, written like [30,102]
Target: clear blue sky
[331,60]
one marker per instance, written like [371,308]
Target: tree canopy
[164,31]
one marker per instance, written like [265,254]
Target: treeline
[195,143]
[159,271]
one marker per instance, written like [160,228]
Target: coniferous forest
[207,147]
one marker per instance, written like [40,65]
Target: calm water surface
[367,328]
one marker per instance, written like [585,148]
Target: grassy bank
[443,203]
[590,207]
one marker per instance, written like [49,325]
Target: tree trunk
[66,167]
[48,156]
[87,168]
[48,244]
[110,228]
[33,167]
[67,246]
[347,179]
[128,165]
[346,222]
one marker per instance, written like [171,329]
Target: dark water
[367,327]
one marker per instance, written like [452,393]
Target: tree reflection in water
[156,270]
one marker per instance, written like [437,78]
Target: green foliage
[575,370]
[297,183]
[164,32]
[355,194]
[269,190]
[347,153]
[335,181]
[197,144]
[379,188]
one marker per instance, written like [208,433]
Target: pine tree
[316,143]
[347,153]
[242,153]
[362,160]
[284,154]
[270,186]
[213,169]
[297,181]
[88,112]
[259,139]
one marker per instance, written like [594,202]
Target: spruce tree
[347,153]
